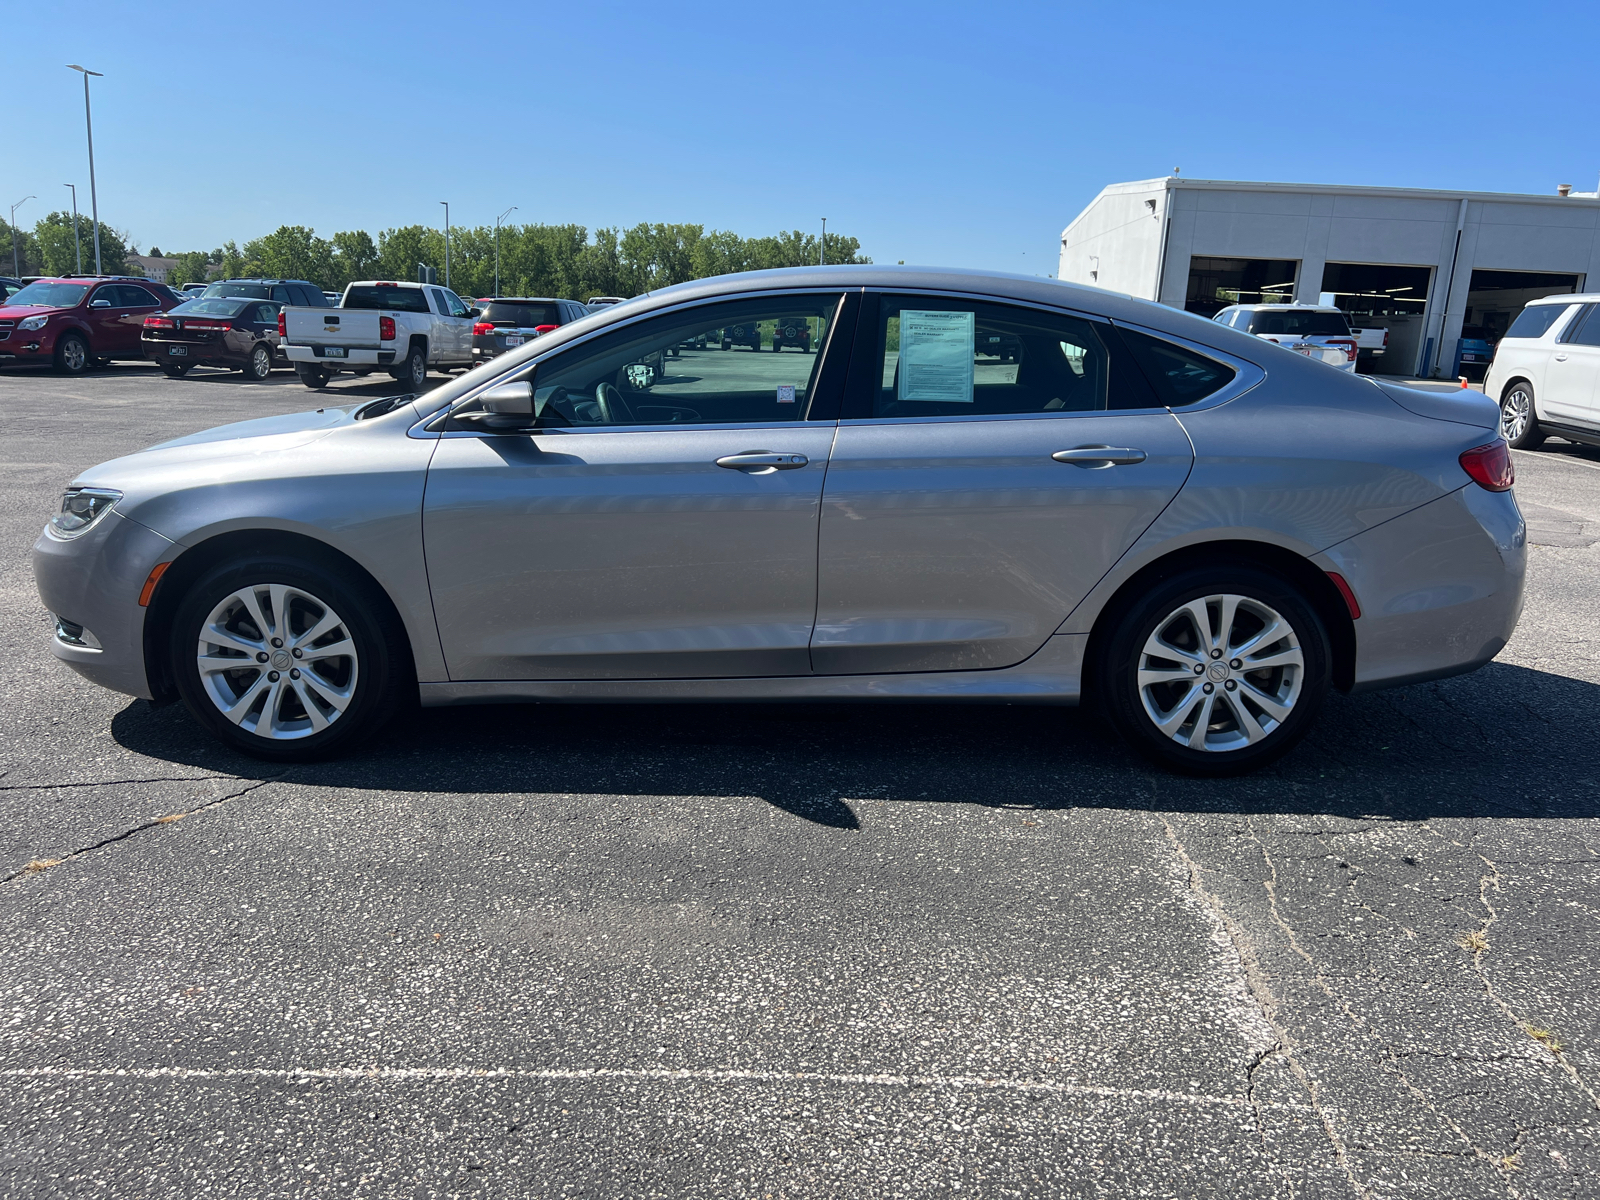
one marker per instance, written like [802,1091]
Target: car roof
[1288,307]
[523,300]
[405,283]
[1570,298]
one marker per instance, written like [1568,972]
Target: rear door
[969,506]
[1573,371]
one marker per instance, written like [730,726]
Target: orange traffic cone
[1463,380]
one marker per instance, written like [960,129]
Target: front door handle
[1099,456]
[1561,358]
[763,460]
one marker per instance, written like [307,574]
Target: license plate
[994,339]
[515,341]
[178,351]
[333,352]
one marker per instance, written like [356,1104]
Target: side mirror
[509,399]
[474,313]
[99,304]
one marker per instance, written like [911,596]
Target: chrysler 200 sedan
[1196,531]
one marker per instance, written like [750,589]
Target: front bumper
[93,581]
[1440,587]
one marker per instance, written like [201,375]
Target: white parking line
[663,1074]
[1560,458]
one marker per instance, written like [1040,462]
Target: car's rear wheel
[413,372]
[1519,417]
[312,377]
[260,362]
[72,354]
[1216,671]
[175,370]
[286,659]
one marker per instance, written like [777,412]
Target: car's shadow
[1505,741]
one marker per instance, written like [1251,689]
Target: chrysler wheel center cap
[280,659]
[1216,672]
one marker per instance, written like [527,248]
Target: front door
[993,463]
[107,315]
[654,523]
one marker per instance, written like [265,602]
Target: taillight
[283,322]
[160,323]
[1385,339]
[386,329]
[482,327]
[1490,466]
[545,328]
[1349,351]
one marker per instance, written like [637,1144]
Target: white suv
[1546,372]
[1316,330]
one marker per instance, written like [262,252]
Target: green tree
[190,268]
[233,263]
[56,253]
[291,252]
[355,256]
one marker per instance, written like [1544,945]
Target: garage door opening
[1494,298]
[1388,302]
[1215,283]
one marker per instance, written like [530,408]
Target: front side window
[454,304]
[683,369]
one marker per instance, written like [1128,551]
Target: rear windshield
[394,299]
[52,295]
[1534,321]
[524,316]
[1299,324]
[211,307]
[250,291]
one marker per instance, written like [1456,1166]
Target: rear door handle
[1561,358]
[1099,456]
[763,459]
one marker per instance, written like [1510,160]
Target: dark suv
[285,291]
[742,335]
[506,322]
[792,331]
[76,321]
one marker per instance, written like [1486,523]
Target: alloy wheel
[74,354]
[1220,673]
[277,661]
[261,362]
[1515,411]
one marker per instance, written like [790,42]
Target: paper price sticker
[786,393]
[936,351]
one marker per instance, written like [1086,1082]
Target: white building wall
[1116,242]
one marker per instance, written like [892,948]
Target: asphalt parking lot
[789,951]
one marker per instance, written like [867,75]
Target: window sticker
[936,350]
[786,393]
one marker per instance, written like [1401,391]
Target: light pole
[77,245]
[497,221]
[822,250]
[446,204]
[88,125]
[15,269]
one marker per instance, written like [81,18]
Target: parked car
[215,332]
[79,321]
[1315,330]
[506,322]
[284,291]
[744,333]
[192,291]
[403,328]
[792,331]
[1545,372]
[1474,351]
[9,287]
[1159,516]
[332,298]
[598,302]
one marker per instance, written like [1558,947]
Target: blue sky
[936,133]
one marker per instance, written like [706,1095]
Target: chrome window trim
[445,407]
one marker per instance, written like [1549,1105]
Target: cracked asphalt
[784,951]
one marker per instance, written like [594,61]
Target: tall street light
[15,269]
[88,125]
[77,245]
[497,221]
[446,204]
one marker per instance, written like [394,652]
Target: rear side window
[1585,328]
[1535,320]
[1179,375]
[1299,324]
[389,299]
[134,296]
[522,316]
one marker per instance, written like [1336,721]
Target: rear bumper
[1440,588]
[354,356]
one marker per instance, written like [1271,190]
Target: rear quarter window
[1535,320]
[1179,375]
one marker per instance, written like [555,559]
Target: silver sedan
[960,486]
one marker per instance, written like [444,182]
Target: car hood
[288,424]
[1466,406]
[10,312]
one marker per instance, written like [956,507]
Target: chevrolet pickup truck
[402,328]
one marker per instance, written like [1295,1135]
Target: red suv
[79,320]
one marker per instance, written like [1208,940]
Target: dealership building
[1431,267]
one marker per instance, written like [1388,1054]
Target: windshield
[211,307]
[52,295]
[250,291]
[393,299]
[527,316]
[1302,323]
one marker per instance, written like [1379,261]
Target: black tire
[1517,401]
[377,678]
[1123,702]
[72,354]
[726,344]
[175,370]
[312,377]
[260,365]
[413,373]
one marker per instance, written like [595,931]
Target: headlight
[81,508]
[29,324]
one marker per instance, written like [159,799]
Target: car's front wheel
[1519,418]
[72,355]
[175,370]
[286,659]
[1216,671]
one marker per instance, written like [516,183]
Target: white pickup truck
[402,328]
